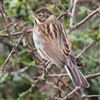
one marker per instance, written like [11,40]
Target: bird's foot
[72,92]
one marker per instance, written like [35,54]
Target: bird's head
[42,15]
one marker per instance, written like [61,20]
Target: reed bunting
[53,44]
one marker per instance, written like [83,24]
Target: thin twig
[6,24]
[29,90]
[69,86]
[91,76]
[66,84]
[57,75]
[12,51]
[16,33]
[61,4]
[56,87]
[71,93]
[86,18]
[73,13]
[85,48]
[63,14]
[66,12]
[91,96]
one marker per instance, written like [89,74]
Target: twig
[12,51]
[86,18]
[73,13]
[8,25]
[61,4]
[71,93]
[85,48]
[63,14]
[70,87]
[16,33]
[29,90]
[57,75]
[91,76]
[91,96]
[71,5]
[5,23]
[66,12]
[56,87]
[65,83]
[57,98]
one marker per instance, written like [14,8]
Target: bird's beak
[36,19]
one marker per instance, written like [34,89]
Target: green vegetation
[19,81]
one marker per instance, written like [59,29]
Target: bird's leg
[47,66]
[82,93]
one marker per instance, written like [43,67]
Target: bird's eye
[41,14]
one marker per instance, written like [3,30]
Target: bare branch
[5,23]
[63,14]
[71,93]
[73,13]
[85,48]
[16,33]
[12,51]
[91,76]
[61,4]
[57,75]
[56,87]
[87,18]
[66,12]
[91,96]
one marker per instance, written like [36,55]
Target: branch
[85,48]
[66,96]
[5,23]
[87,18]
[12,51]
[92,75]
[16,33]
[65,83]
[14,24]
[73,13]
[66,12]
[56,87]
[61,4]
[63,14]
[91,96]
[33,85]
[57,75]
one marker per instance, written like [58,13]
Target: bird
[54,45]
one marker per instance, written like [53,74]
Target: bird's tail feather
[74,73]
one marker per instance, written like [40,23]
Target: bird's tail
[76,76]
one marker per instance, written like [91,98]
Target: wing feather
[55,55]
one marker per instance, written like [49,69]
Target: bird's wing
[55,32]
[54,54]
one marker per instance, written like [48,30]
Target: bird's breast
[38,41]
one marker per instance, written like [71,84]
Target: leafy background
[25,63]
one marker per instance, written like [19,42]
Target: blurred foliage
[12,85]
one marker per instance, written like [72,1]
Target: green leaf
[82,9]
[24,55]
[4,78]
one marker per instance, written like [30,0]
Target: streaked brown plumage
[53,44]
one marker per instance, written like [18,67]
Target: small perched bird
[53,44]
